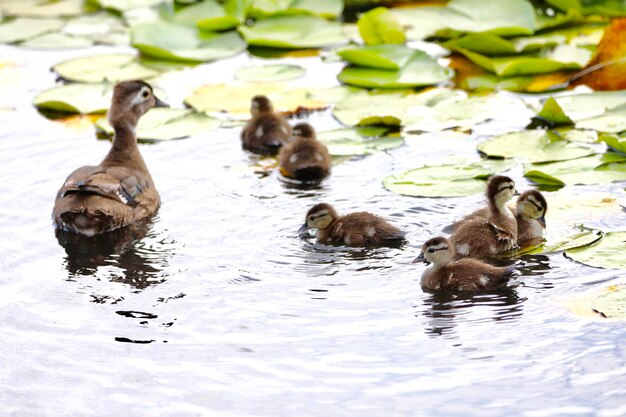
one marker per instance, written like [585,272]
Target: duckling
[266,131]
[354,229]
[464,274]
[484,237]
[304,158]
[530,213]
[119,191]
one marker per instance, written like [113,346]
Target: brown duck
[452,274]
[119,191]
[266,131]
[354,229]
[304,158]
[495,234]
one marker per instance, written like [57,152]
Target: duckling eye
[145,94]
[431,250]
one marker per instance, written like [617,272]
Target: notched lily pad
[269,73]
[594,169]
[388,57]
[161,124]
[614,142]
[101,68]
[446,180]
[380,27]
[359,141]
[607,253]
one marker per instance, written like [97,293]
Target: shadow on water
[134,250]
[445,310]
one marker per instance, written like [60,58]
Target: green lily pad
[238,8]
[535,146]
[490,44]
[208,15]
[161,124]
[602,7]
[22,29]
[120,6]
[380,27]
[612,121]
[584,237]
[612,303]
[269,73]
[42,9]
[329,9]
[446,180]
[594,169]
[607,253]
[551,111]
[99,28]
[293,32]
[166,40]
[420,70]
[388,57]
[616,143]
[265,8]
[57,41]
[100,68]
[359,141]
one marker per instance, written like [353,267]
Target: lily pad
[269,73]
[612,303]
[584,237]
[161,124]
[594,169]
[535,146]
[22,29]
[420,70]
[607,253]
[42,9]
[551,111]
[293,32]
[208,15]
[100,68]
[490,44]
[57,41]
[616,143]
[330,9]
[359,141]
[446,180]
[167,40]
[120,6]
[612,121]
[388,57]
[380,27]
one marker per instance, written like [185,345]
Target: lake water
[219,309]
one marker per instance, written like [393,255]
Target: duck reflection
[134,250]
[445,310]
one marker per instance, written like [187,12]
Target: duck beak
[303,229]
[515,192]
[542,221]
[419,259]
[159,103]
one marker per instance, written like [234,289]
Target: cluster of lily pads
[410,73]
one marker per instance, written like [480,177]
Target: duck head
[319,216]
[436,251]
[500,189]
[131,100]
[260,105]
[533,204]
[302,130]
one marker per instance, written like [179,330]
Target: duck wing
[116,183]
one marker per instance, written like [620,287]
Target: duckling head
[437,251]
[532,204]
[260,105]
[319,216]
[500,189]
[303,130]
[131,100]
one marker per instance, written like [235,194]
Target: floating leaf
[123,5]
[165,124]
[56,41]
[535,146]
[235,99]
[379,27]
[269,73]
[238,8]
[330,9]
[99,68]
[420,70]
[580,239]
[293,32]
[166,40]
[42,9]
[99,28]
[607,253]
[359,141]
[612,303]
[594,169]
[490,44]
[446,180]
[613,121]
[552,112]
[389,57]
[208,15]
[265,8]
[616,143]
[22,29]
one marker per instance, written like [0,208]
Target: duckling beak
[419,259]
[303,229]
[515,192]
[159,103]
[542,221]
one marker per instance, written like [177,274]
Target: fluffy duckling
[464,274]
[484,237]
[119,191]
[266,131]
[530,214]
[304,158]
[354,229]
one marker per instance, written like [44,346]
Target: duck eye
[431,250]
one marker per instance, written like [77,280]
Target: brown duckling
[119,191]
[266,131]
[495,234]
[530,212]
[354,229]
[304,158]
[452,274]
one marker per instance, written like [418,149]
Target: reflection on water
[137,258]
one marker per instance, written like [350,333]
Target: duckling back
[484,238]
[305,159]
[466,274]
[265,134]
[361,229]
